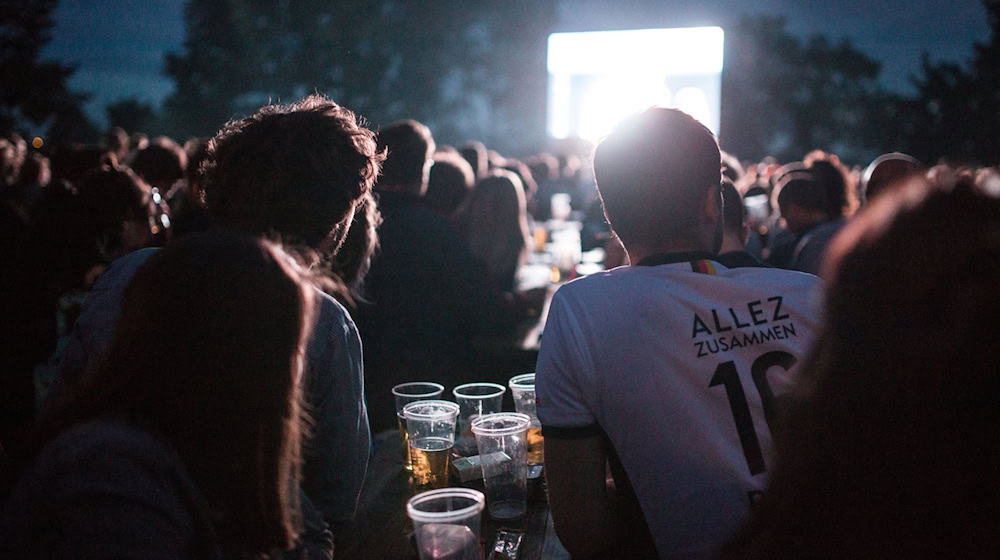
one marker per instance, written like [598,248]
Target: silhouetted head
[474,152]
[802,200]
[888,169]
[114,209]
[834,177]
[734,227]
[296,171]
[451,179]
[523,172]
[160,164]
[494,222]
[116,142]
[658,176]
[409,147]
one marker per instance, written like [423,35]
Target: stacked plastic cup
[446,523]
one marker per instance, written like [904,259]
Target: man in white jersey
[668,369]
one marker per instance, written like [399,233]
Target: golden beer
[536,446]
[404,438]
[430,457]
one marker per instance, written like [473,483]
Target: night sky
[118,45]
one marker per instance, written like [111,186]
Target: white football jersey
[679,365]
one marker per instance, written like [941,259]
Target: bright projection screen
[598,78]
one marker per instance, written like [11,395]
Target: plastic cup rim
[524,421]
[452,410]
[437,391]
[517,385]
[445,516]
[500,390]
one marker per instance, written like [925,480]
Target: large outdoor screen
[598,78]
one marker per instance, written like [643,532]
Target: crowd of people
[200,339]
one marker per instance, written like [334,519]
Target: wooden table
[381,529]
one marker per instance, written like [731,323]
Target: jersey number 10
[727,375]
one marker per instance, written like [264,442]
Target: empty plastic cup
[503,448]
[446,523]
[474,400]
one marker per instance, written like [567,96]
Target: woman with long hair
[185,442]
[494,222]
[890,446]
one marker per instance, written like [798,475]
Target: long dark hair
[208,357]
[891,447]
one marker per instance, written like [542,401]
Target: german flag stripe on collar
[703,266]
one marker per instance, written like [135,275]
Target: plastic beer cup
[503,448]
[474,400]
[522,387]
[431,427]
[404,394]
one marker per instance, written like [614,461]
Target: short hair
[733,211]
[802,189]
[450,180]
[652,173]
[886,170]
[294,170]
[410,146]
[161,163]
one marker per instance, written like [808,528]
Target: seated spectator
[494,224]
[889,447]
[182,444]
[299,172]
[804,207]
[450,180]
[428,297]
[667,369]
[735,232]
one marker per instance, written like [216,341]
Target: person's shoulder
[120,272]
[596,282]
[330,314]
[773,276]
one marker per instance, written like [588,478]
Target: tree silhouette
[783,96]
[956,113]
[132,115]
[465,68]
[35,91]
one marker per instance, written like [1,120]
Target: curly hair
[294,170]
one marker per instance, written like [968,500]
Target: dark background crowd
[414,257]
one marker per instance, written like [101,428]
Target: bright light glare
[598,78]
[690,50]
[694,102]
